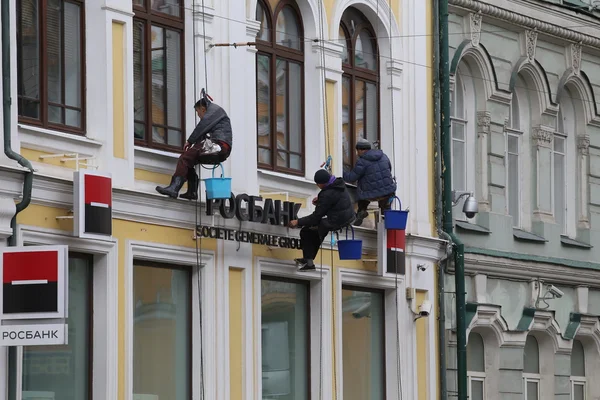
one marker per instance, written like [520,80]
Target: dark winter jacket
[373,171]
[334,203]
[216,122]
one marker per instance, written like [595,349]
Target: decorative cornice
[542,136]
[583,144]
[484,119]
[527,22]
[475,24]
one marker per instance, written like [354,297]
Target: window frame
[352,72]
[518,134]
[381,292]
[151,18]
[578,381]
[529,377]
[565,199]
[19,351]
[140,262]
[42,20]
[459,120]
[273,52]
[478,377]
[306,284]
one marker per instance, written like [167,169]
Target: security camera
[555,291]
[421,267]
[425,309]
[470,208]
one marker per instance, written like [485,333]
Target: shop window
[285,339]
[162,331]
[476,367]
[363,346]
[62,372]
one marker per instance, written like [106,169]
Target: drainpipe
[441,290]
[6,113]
[457,245]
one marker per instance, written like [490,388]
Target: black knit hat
[363,144]
[322,177]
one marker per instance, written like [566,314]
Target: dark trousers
[384,203]
[312,237]
[195,155]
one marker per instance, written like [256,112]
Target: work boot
[360,216]
[173,189]
[305,264]
[192,190]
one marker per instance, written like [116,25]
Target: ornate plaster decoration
[475,26]
[542,136]
[544,321]
[590,327]
[576,58]
[583,143]
[7,211]
[530,44]
[526,22]
[484,119]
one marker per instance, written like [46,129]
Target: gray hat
[363,144]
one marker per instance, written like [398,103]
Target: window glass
[63,372]
[50,77]
[513,179]
[263,77]
[287,33]
[476,390]
[139,89]
[578,392]
[344,43]
[162,348]
[577,359]
[475,353]
[346,123]
[284,339]
[559,181]
[170,7]
[532,390]
[364,54]
[261,15]
[531,356]
[363,344]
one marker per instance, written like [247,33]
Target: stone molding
[475,25]
[8,209]
[583,144]
[542,136]
[530,44]
[527,22]
[484,119]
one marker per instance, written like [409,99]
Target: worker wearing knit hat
[363,144]
[333,211]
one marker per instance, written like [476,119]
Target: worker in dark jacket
[210,143]
[373,173]
[333,211]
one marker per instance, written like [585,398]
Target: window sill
[469,227]
[287,177]
[159,161]
[568,242]
[43,133]
[527,236]
[162,153]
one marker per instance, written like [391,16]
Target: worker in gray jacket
[210,143]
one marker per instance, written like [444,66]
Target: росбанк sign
[273,212]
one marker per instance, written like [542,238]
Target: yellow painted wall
[236,371]
[118,50]
[422,326]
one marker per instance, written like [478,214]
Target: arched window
[476,367]
[531,369]
[578,379]
[280,87]
[513,174]
[360,83]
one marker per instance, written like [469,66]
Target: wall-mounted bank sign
[246,208]
[248,237]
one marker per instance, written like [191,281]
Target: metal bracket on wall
[73,157]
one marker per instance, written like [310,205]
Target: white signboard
[33,335]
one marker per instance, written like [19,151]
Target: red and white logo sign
[92,208]
[34,282]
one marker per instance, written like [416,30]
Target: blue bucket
[218,188]
[396,219]
[350,249]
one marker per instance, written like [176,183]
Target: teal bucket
[218,188]
[350,249]
[396,219]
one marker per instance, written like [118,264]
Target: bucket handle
[399,202]
[352,228]
[222,171]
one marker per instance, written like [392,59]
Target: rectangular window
[162,342]
[158,71]
[513,176]
[285,339]
[578,389]
[363,344]
[459,173]
[560,183]
[63,372]
[532,388]
[50,64]
[476,387]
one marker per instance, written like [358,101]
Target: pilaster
[542,139]
[583,152]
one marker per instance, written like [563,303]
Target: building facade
[158,311]
[525,79]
